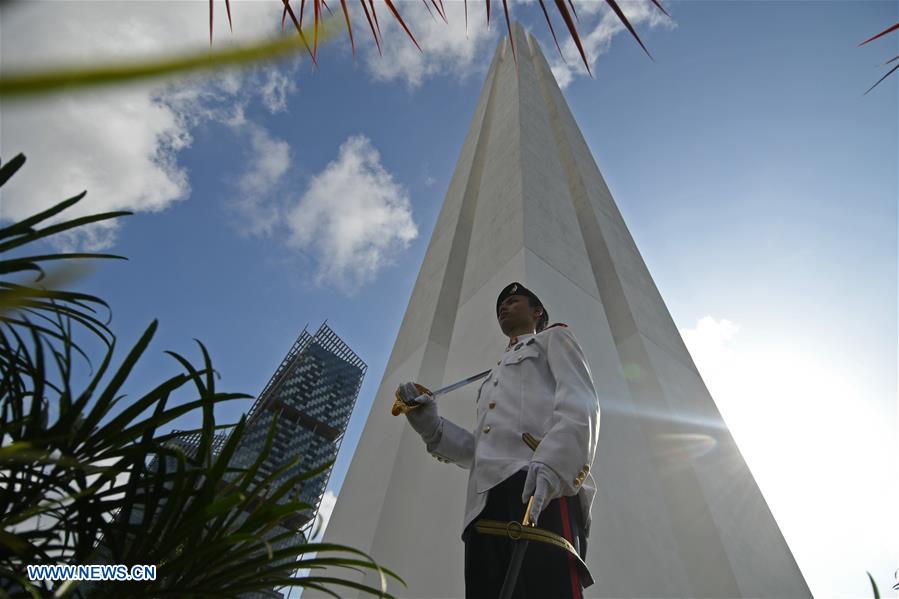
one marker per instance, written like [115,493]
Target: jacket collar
[514,341]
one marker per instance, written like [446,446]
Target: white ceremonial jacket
[542,386]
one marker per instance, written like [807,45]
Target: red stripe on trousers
[566,532]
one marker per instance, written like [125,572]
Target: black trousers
[547,571]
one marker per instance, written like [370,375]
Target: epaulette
[552,326]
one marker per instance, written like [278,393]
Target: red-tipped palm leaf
[402,23]
[565,11]
[228,10]
[882,33]
[299,25]
[428,8]
[661,8]
[891,71]
[437,7]
[374,15]
[509,27]
[551,30]
[574,12]
[370,24]
[438,4]
[349,28]
[465,6]
[614,5]
[316,15]
[560,6]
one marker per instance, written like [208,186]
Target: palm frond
[87,477]
[564,11]
[25,84]
[890,29]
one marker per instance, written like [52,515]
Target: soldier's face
[516,316]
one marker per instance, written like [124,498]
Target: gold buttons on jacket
[487,429]
[584,471]
[581,476]
[491,405]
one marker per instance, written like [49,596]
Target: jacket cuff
[454,444]
[434,438]
[571,473]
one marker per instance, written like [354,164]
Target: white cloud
[259,190]
[122,143]
[119,143]
[596,38]
[120,147]
[325,509]
[447,48]
[353,216]
[275,88]
[259,186]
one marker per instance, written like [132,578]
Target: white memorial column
[677,512]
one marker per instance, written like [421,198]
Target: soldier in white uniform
[538,425]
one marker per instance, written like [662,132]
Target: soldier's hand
[544,484]
[408,392]
[424,419]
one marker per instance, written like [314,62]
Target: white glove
[544,484]
[423,419]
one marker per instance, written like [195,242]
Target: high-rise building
[309,398]
[305,406]
[189,443]
[308,401]
[311,395]
[677,512]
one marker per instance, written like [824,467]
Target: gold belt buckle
[513,525]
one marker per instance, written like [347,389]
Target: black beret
[519,289]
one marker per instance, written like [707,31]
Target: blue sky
[758,182]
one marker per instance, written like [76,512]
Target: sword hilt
[401,407]
[526,521]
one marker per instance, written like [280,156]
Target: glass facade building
[306,406]
[308,401]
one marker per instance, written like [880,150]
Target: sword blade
[521,545]
[462,383]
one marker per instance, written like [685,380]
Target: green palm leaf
[105,482]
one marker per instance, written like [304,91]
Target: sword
[521,545]
[401,407]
